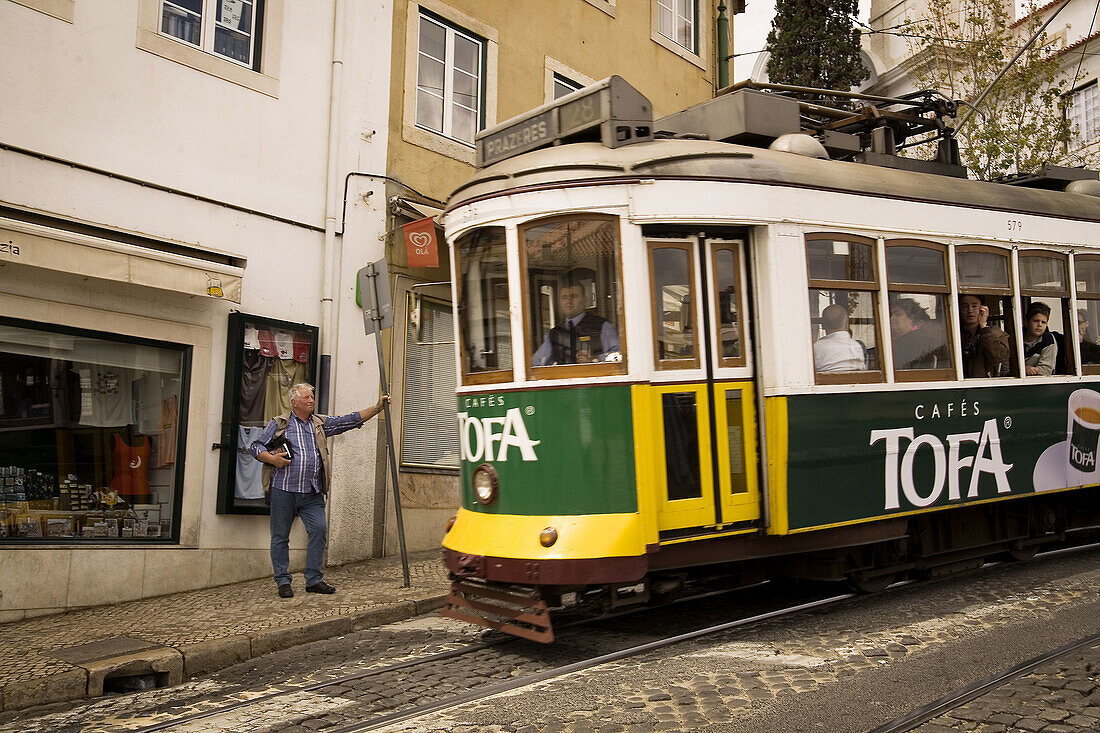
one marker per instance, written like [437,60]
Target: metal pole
[372,273]
[723,46]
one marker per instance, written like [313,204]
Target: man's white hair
[295,391]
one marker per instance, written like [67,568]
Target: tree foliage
[959,47]
[814,43]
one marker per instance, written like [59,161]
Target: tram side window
[919,319]
[843,312]
[671,266]
[986,327]
[1044,291]
[574,293]
[1087,275]
[727,275]
[483,315]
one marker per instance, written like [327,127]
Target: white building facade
[174,253]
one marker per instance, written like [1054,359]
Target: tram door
[702,405]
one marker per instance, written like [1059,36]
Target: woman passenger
[1040,348]
[1090,350]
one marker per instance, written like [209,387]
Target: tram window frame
[906,288]
[1065,365]
[656,311]
[734,248]
[1086,298]
[570,371]
[488,376]
[864,376]
[1007,297]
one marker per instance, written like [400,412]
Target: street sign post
[372,294]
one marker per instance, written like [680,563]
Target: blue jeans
[285,505]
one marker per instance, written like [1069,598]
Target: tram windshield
[574,292]
[483,313]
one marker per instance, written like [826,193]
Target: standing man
[985,347]
[296,474]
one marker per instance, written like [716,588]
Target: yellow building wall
[589,38]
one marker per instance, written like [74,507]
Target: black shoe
[285,591]
[320,587]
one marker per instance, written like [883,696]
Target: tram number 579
[1015,225]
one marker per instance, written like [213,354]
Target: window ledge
[438,144]
[607,6]
[676,48]
[208,63]
[60,9]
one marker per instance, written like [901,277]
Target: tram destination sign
[518,138]
[610,111]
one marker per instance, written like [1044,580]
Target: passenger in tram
[917,342]
[581,337]
[984,347]
[837,351]
[1090,350]
[1040,348]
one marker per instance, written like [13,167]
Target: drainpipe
[330,316]
[723,46]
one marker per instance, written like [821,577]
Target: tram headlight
[548,537]
[486,483]
[450,523]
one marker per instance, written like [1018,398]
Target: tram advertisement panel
[556,451]
[860,456]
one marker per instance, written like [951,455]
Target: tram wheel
[862,584]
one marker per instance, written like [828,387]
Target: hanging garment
[131,471]
[254,369]
[166,436]
[249,470]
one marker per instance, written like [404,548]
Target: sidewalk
[68,656]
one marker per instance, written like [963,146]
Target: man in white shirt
[582,337]
[837,351]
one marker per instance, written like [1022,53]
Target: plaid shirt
[303,475]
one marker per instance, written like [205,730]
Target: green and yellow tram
[711,345]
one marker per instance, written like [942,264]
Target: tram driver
[580,337]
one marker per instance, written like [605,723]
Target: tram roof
[683,159]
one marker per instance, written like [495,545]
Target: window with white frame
[676,21]
[225,28]
[1084,114]
[448,80]
[563,86]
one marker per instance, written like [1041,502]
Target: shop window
[1044,297]
[485,325]
[92,429]
[264,359]
[573,297]
[920,321]
[843,302]
[429,423]
[1087,277]
[448,80]
[987,328]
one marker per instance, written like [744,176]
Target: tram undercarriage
[921,547]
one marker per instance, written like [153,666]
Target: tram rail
[552,672]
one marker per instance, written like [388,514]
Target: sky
[750,29]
